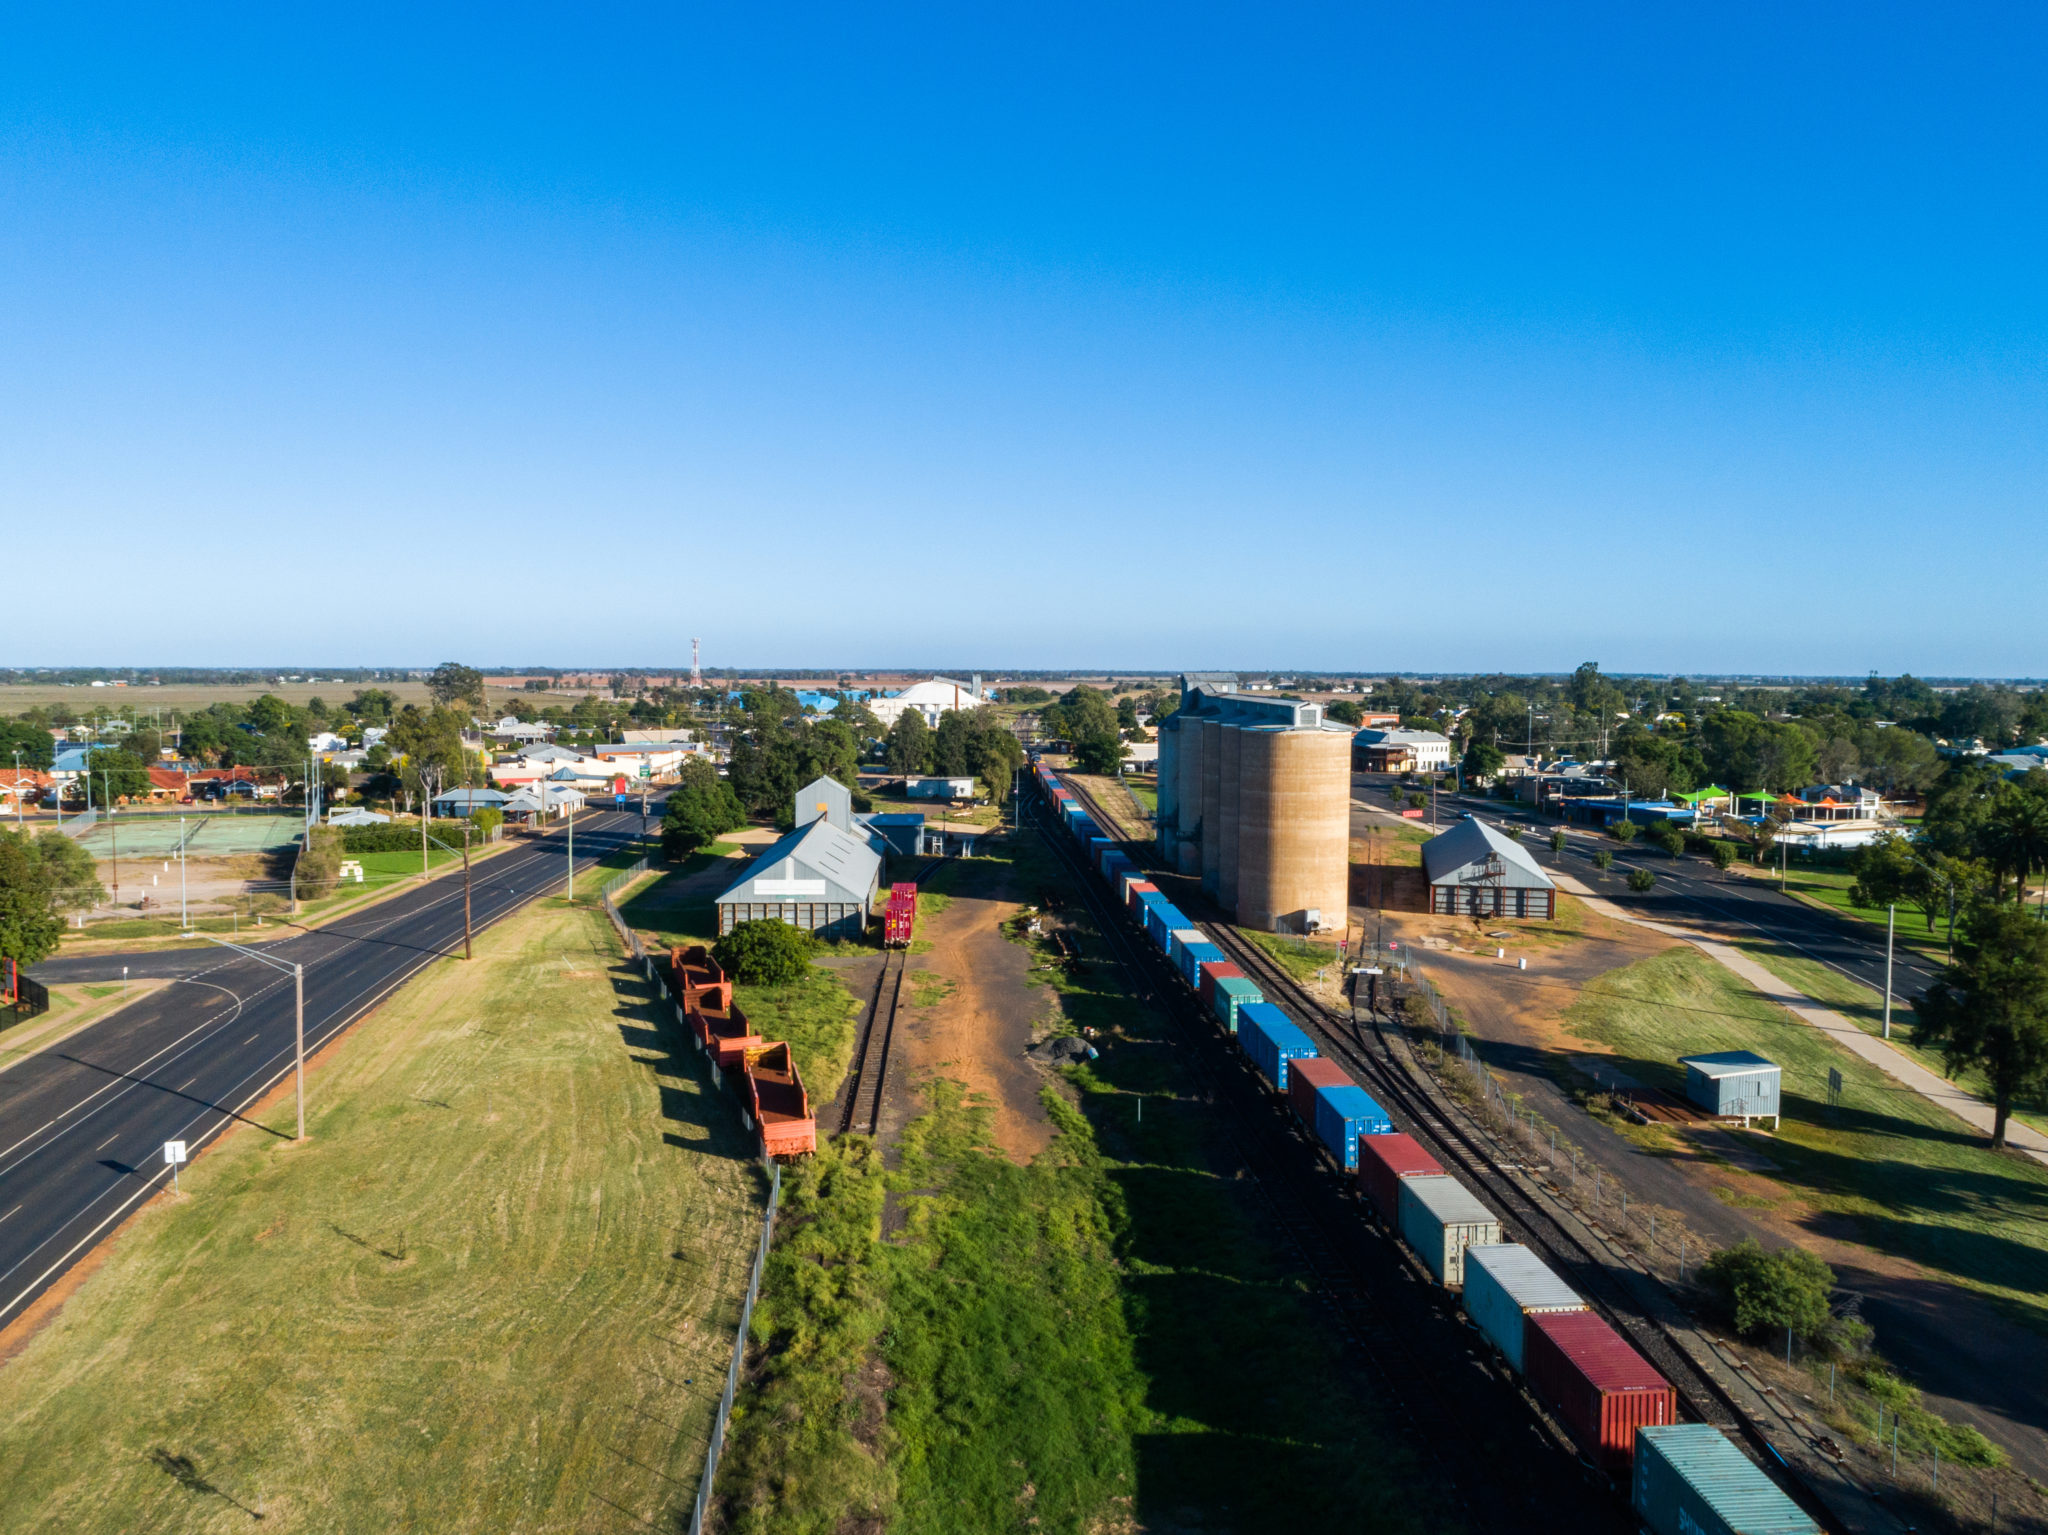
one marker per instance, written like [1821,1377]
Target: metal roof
[1727,1063]
[818,862]
[1452,858]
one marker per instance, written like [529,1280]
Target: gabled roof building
[1475,871]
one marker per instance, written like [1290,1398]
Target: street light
[465,887]
[298,974]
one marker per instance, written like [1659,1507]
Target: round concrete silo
[1188,850]
[1294,828]
[1230,779]
[1212,803]
[1166,819]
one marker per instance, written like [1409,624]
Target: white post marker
[174,1157]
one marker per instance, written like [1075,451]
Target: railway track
[1459,1147]
[1416,1350]
[862,1112]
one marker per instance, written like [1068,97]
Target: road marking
[252,1039]
[11,1213]
[103,1145]
[183,1085]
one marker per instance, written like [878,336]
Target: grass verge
[1908,1177]
[492,1291]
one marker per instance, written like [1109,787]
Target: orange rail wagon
[777,1104]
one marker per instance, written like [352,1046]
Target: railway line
[1506,1467]
[861,1113]
[1617,1293]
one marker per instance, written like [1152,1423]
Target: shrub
[1603,859]
[1640,880]
[764,953]
[1763,1293]
[319,864]
[1418,801]
[1624,831]
[486,821]
[1557,840]
[1722,852]
[1515,833]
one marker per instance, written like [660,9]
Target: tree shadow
[185,1471]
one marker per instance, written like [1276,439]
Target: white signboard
[174,1152]
[789,887]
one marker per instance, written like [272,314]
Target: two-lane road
[83,1123]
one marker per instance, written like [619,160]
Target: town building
[823,876]
[1475,871]
[1400,751]
[931,699]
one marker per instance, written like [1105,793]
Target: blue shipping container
[1271,1041]
[1160,923]
[1192,957]
[1691,1481]
[1343,1114]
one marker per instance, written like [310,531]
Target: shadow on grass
[183,1470]
[707,1115]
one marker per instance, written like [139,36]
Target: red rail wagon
[777,1104]
[900,917]
[698,978]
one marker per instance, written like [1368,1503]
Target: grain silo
[1294,827]
[1212,804]
[1188,848]
[1232,755]
[1166,817]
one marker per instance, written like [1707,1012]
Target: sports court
[207,834]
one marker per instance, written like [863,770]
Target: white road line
[103,1145]
[11,1213]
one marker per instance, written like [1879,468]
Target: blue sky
[1462,338]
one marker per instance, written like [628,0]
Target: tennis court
[208,834]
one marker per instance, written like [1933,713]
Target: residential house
[1375,750]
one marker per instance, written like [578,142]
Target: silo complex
[1260,804]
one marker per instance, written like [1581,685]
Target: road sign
[174,1152]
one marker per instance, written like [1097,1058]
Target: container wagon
[1384,1161]
[1599,1387]
[1504,1284]
[1689,1480]
[1229,997]
[777,1105]
[1305,1080]
[1440,1218]
[726,1033]
[1346,1115]
[1271,1041]
[1207,974]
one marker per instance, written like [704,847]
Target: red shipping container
[1304,1077]
[1210,971]
[1604,1390]
[1138,888]
[1383,1161]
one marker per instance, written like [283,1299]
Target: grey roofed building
[463,801]
[1474,870]
[825,799]
[818,877]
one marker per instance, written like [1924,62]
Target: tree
[1344,712]
[951,742]
[373,706]
[910,743]
[1640,880]
[40,879]
[1722,851]
[1603,859]
[430,741]
[1482,760]
[1557,840]
[451,682]
[764,953]
[116,775]
[69,872]
[700,808]
[2016,840]
[1990,1009]
[1624,831]
[1763,1293]
[37,746]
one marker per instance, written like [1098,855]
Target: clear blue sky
[1682,338]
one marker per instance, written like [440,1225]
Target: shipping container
[1128,878]
[1207,974]
[1115,865]
[1229,996]
[1177,941]
[1271,1041]
[1383,1161]
[1192,957]
[1690,1480]
[1503,1285]
[1305,1081]
[1163,920]
[1136,893]
[1603,1390]
[1440,1218]
[1345,1115]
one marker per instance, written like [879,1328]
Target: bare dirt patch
[976,1032]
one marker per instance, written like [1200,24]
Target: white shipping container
[1503,1284]
[1440,1218]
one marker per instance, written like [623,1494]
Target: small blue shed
[1734,1084]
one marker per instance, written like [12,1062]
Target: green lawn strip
[1397,847]
[1104,1340]
[1299,957]
[1829,889]
[1914,1180]
[493,1291]
[1864,1007]
[1144,793]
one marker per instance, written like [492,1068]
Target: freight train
[1617,1407]
[775,1105]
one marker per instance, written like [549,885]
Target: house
[461,802]
[1734,1084]
[931,699]
[357,817]
[1400,751]
[31,786]
[169,783]
[372,734]
[661,760]
[543,802]
[1475,871]
[327,741]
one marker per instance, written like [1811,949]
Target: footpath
[1903,1069]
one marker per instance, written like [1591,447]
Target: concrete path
[1903,1069]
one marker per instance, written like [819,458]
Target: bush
[1640,880]
[1515,833]
[764,953]
[318,869]
[1722,851]
[1418,802]
[398,839]
[1557,840]
[1624,831]
[1603,859]
[1763,1293]
[486,821]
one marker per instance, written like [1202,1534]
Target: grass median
[1909,1177]
[494,1290]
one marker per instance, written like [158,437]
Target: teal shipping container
[1231,993]
[1691,1481]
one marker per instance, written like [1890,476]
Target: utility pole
[571,890]
[17,789]
[298,974]
[184,911]
[465,892]
[1891,917]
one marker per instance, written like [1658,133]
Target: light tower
[696,671]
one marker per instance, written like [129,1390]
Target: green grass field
[1829,888]
[494,1291]
[1911,1179]
[1105,1340]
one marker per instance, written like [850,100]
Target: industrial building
[931,699]
[1255,797]
[1475,871]
[821,877]
[1735,1084]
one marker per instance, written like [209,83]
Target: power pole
[465,891]
[570,892]
[1891,917]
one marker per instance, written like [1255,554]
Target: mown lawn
[494,1291]
[1105,1340]
[1830,888]
[1912,1179]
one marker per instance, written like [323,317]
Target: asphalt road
[83,1123]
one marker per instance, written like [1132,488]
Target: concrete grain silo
[1212,804]
[1166,819]
[1188,849]
[1294,827]
[1227,822]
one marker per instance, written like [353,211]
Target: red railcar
[698,978]
[899,919]
[778,1107]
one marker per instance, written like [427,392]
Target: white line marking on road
[15,1211]
[103,1145]
[183,1085]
